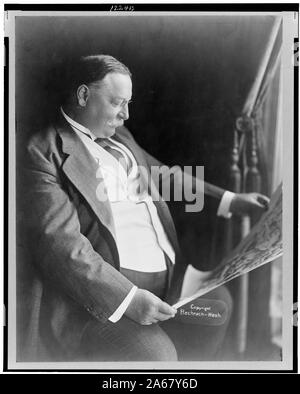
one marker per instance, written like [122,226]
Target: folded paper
[262,245]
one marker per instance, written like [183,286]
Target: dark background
[191,76]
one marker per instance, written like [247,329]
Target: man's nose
[124,113]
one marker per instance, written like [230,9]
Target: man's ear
[82,95]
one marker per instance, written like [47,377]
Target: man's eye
[120,103]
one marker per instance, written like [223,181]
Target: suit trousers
[170,340]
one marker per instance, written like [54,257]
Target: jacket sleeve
[164,170]
[209,189]
[62,254]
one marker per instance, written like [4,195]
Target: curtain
[268,114]
[271,151]
[261,135]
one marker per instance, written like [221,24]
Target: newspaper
[262,245]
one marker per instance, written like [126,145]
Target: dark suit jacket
[71,271]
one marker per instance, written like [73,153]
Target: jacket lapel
[83,171]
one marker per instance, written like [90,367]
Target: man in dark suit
[104,266]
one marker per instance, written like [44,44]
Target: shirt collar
[77,125]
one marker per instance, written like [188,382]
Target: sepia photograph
[151,189]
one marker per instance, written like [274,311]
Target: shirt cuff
[119,312]
[224,206]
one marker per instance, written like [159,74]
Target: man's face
[107,104]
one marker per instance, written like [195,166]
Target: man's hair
[89,69]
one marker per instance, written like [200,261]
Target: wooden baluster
[227,227]
[233,226]
[242,304]
[259,286]
[234,186]
[235,173]
[245,125]
[252,183]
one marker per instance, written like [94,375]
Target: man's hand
[249,203]
[145,308]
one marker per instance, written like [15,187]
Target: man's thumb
[167,309]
